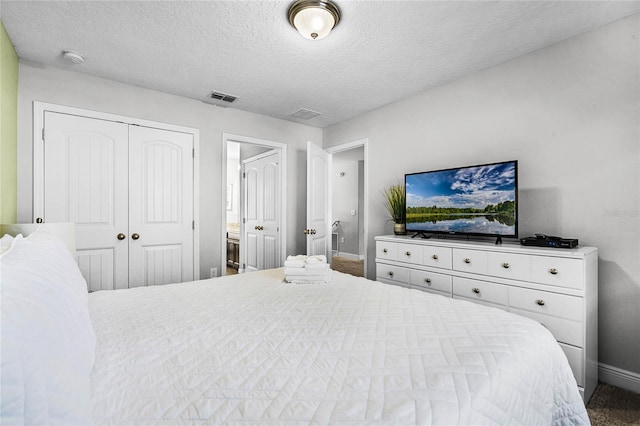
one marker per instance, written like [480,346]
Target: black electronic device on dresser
[541,240]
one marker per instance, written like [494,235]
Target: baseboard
[618,377]
[348,255]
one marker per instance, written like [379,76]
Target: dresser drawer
[543,302]
[509,265]
[473,261]
[409,253]
[386,250]
[558,271]
[575,356]
[424,280]
[481,291]
[564,330]
[436,257]
[392,273]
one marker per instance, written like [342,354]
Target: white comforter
[255,349]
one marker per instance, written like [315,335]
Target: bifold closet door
[160,206]
[85,177]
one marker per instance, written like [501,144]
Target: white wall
[63,87]
[570,114]
[344,200]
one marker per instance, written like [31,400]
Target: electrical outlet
[342,239]
[213,272]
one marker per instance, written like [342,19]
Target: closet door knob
[121,236]
[135,236]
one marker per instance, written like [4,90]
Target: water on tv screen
[476,200]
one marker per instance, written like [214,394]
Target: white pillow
[48,343]
[5,242]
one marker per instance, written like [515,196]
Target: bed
[254,349]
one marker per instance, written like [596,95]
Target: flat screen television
[475,200]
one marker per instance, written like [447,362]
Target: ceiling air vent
[305,114]
[219,96]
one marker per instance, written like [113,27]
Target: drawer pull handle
[428,281]
[540,302]
[385,250]
[553,271]
[505,265]
[476,290]
[434,257]
[408,254]
[390,273]
[467,260]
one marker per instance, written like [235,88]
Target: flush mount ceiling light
[314,18]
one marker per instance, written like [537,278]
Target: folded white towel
[297,257]
[320,258]
[307,282]
[316,269]
[310,279]
[316,266]
[294,263]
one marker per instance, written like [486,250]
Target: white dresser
[557,287]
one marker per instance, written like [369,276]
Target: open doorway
[348,212]
[238,254]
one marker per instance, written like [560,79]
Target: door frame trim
[364,143]
[230,137]
[39,109]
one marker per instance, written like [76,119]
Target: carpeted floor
[348,266]
[612,406]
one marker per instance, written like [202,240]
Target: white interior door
[261,216]
[85,182]
[160,206]
[129,190]
[318,202]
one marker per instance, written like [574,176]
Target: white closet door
[261,213]
[318,208]
[160,206]
[86,182]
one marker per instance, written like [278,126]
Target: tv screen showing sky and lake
[476,200]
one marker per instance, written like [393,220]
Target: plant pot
[400,228]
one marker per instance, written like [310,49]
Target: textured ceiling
[380,52]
